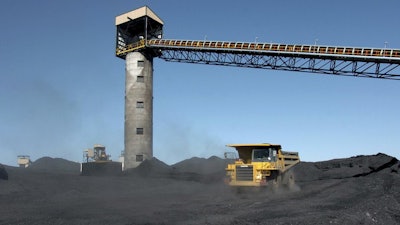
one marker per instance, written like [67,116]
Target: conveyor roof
[137,13]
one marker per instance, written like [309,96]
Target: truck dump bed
[290,159]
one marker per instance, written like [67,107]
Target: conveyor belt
[351,61]
[310,50]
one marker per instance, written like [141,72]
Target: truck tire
[275,180]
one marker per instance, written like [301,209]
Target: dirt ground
[356,190]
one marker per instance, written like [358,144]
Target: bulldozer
[261,165]
[96,162]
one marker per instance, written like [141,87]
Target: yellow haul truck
[261,165]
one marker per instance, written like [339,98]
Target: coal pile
[150,168]
[201,169]
[356,190]
[3,173]
[346,168]
[55,165]
[193,169]
[201,165]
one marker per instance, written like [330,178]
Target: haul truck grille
[244,173]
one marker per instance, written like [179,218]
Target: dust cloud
[38,120]
[182,142]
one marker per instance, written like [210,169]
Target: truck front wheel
[275,180]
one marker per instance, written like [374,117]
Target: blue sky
[62,88]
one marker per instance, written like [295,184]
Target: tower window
[139,158]
[140,63]
[139,131]
[140,79]
[139,104]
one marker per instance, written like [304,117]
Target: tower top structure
[136,25]
[136,14]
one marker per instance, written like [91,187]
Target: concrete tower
[133,29]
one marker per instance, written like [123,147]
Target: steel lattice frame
[338,66]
